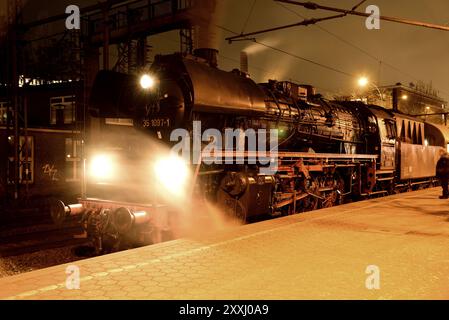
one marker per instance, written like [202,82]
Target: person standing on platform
[443,174]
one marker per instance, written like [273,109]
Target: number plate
[157,123]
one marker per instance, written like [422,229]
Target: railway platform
[387,248]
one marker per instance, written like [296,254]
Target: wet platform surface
[320,255]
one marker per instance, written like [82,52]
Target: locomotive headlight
[173,174]
[147,82]
[102,168]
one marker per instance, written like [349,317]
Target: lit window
[26,156]
[62,110]
[73,156]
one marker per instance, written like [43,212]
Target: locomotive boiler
[327,152]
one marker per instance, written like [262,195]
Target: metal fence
[136,12]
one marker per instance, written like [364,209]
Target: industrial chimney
[244,67]
[205,19]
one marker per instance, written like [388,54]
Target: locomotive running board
[256,155]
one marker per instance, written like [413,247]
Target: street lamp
[364,82]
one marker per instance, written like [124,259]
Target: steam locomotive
[328,152]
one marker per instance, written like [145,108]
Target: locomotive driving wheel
[330,199]
[232,187]
[333,197]
[310,202]
[232,207]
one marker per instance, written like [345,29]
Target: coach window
[73,160]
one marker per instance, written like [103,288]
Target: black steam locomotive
[328,152]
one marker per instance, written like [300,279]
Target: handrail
[281,155]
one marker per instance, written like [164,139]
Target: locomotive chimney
[311,91]
[208,54]
[244,62]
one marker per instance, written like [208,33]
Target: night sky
[419,54]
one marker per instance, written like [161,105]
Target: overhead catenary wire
[246,37]
[271,72]
[315,6]
[249,16]
[255,67]
[252,65]
[331,33]
[305,22]
[288,53]
[358,5]
[366,52]
[306,59]
[228,30]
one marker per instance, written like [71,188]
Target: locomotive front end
[130,173]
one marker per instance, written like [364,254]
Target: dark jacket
[443,167]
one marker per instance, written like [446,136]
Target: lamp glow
[173,174]
[102,168]
[363,82]
[147,82]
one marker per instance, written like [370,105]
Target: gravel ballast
[39,260]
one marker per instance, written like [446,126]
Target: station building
[50,144]
[417,100]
